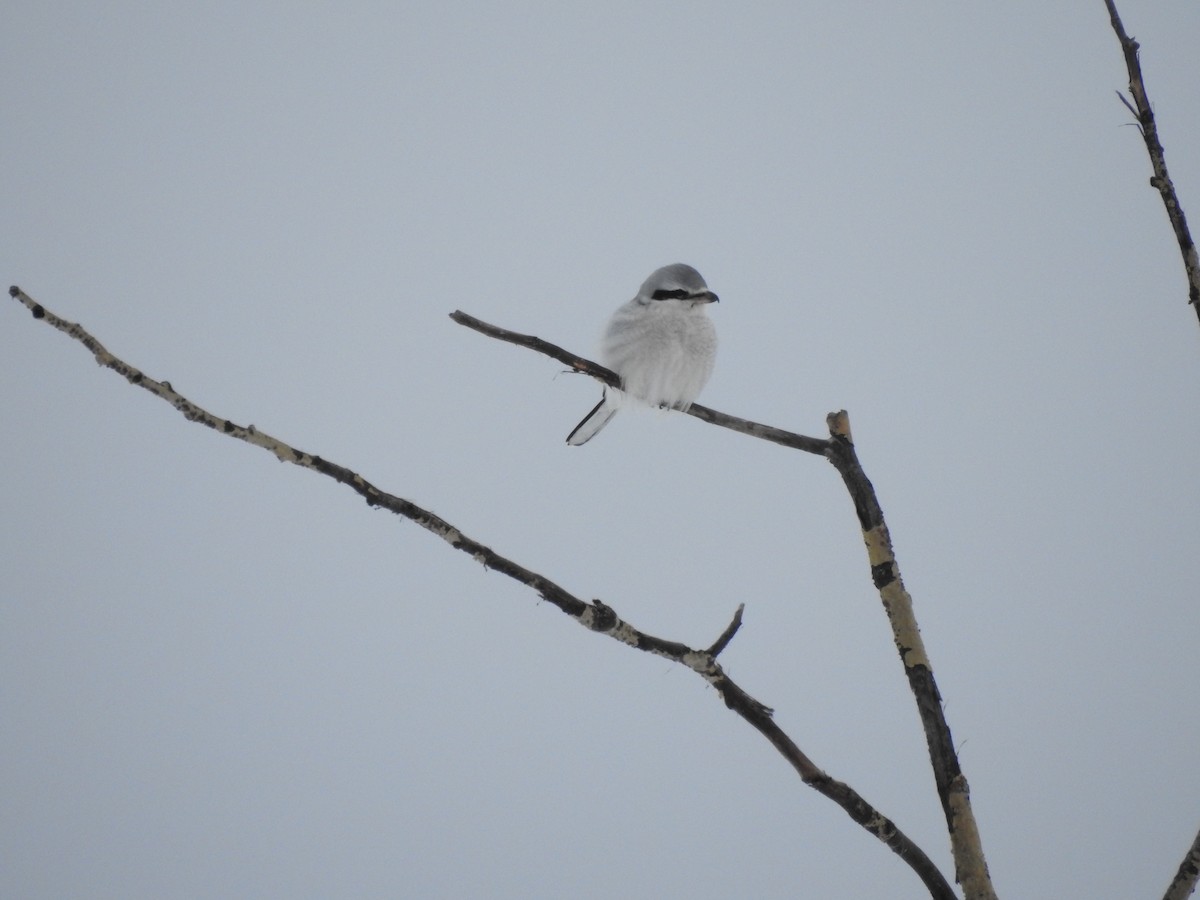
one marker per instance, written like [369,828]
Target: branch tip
[839,425]
[14,292]
[727,635]
[1129,106]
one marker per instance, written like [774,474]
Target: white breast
[663,350]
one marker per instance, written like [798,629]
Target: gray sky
[220,676]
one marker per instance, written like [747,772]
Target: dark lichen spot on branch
[604,618]
[883,575]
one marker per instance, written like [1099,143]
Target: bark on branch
[1184,882]
[595,616]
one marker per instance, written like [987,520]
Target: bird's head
[676,282]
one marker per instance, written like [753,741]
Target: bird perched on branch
[662,344]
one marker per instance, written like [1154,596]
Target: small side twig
[727,635]
[1128,105]
[1161,179]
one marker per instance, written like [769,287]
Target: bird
[661,343]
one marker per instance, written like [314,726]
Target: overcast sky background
[223,676]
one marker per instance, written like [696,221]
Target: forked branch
[596,616]
[970,863]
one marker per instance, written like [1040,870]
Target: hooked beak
[706,297]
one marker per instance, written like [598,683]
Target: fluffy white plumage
[662,344]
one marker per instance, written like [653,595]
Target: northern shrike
[661,343]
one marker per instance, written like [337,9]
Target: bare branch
[577,363]
[1160,180]
[596,616]
[969,860]
[1185,879]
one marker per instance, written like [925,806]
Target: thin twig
[596,616]
[1160,180]
[727,635]
[1129,106]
